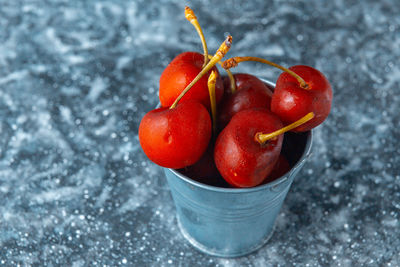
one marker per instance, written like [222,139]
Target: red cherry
[290,101]
[204,170]
[179,73]
[251,92]
[175,138]
[241,160]
[281,167]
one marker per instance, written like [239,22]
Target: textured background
[76,78]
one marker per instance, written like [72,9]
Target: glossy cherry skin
[281,167]
[179,73]
[251,92]
[178,137]
[240,159]
[291,102]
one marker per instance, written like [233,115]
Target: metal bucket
[232,222]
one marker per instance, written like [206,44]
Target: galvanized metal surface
[230,222]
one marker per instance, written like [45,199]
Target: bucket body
[232,222]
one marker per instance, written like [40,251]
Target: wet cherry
[178,137]
[291,101]
[241,160]
[249,146]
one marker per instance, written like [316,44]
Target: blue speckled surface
[76,78]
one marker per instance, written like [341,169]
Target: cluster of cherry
[242,139]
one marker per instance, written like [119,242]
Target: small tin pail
[232,222]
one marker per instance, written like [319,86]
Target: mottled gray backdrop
[77,76]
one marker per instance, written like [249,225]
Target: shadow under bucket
[232,222]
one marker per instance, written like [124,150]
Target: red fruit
[251,92]
[179,73]
[204,170]
[281,167]
[241,160]
[290,101]
[175,138]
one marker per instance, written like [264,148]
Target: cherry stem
[262,138]
[230,76]
[221,52]
[191,17]
[233,62]
[212,80]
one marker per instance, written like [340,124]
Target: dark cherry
[281,167]
[251,92]
[204,170]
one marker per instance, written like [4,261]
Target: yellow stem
[221,52]
[262,138]
[233,62]
[191,17]
[230,76]
[212,79]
